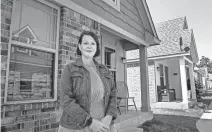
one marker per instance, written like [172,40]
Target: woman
[88,93]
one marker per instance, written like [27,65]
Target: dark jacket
[75,94]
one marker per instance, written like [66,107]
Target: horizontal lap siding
[128,18]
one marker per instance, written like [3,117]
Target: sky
[199,18]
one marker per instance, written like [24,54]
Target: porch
[171,82]
[175,85]
[177,104]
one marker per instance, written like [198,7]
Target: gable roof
[169,33]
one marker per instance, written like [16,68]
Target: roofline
[150,19]
[158,57]
[195,47]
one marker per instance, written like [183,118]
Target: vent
[181,44]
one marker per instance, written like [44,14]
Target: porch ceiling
[127,45]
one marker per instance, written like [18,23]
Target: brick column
[144,79]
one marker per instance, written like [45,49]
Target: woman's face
[88,46]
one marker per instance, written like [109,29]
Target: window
[130,65]
[30,74]
[113,3]
[110,61]
[161,75]
[33,57]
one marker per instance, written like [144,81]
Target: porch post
[145,103]
[183,82]
[193,89]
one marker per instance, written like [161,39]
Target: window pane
[30,74]
[42,24]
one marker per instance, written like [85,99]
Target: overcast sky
[198,14]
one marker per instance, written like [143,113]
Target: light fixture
[123,59]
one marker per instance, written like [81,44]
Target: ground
[171,123]
[169,120]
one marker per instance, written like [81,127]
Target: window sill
[30,101]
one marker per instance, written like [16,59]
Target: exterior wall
[152,84]
[15,117]
[133,82]
[132,54]
[127,18]
[6,18]
[111,41]
[175,79]
[133,79]
[45,116]
[120,67]
[203,82]
[41,116]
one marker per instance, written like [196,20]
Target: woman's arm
[68,102]
[112,104]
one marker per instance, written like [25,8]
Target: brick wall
[132,54]
[152,85]
[133,82]
[6,13]
[21,117]
[37,117]
[71,25]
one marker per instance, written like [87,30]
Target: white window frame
[111,69]
[115,4]
[54,51]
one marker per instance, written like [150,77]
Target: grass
[170,123]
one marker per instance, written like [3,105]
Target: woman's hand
[107,120]
[98,126]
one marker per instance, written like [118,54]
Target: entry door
[167,76]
